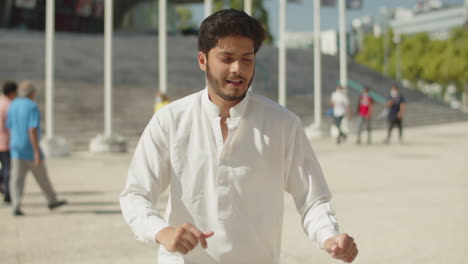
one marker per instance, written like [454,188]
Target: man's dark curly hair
[229,22]
[9,87]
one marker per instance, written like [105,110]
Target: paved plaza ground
[403,203]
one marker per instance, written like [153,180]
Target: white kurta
[235,189]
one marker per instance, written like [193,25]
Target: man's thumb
[208,234]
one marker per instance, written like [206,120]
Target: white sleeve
[148,176]
[306,183]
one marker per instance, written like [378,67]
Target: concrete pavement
[402,203]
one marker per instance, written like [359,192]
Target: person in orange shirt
[9,93]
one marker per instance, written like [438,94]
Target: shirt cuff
[160,226]
[325,234]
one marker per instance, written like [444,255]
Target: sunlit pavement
[403,203]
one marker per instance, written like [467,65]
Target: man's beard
[216,86]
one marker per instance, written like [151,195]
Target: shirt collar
[235,111]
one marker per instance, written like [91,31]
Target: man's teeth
[235,81]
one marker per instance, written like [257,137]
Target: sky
[299,17]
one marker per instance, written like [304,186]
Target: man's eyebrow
[230,53]
[225,53]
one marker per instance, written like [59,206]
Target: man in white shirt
[340,103]
[228,155]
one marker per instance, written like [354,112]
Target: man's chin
[236,96]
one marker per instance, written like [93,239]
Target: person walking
[23,120]
[9,93]
[228,155]
[396,105]
[340,103]
[365,109]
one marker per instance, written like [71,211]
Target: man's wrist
[325,234]
[159,233]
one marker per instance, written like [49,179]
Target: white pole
[108,68]
[208,7]
[343,63]
[49,93]
[162,32]
[248,7]
[282,54]
[317,67]
[385,45]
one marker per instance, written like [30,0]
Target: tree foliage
[258,11]
[422,58]
[184,19]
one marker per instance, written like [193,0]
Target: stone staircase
[79,81]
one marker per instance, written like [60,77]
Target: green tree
[184,19]
[456,64]
[258,11]
[371,54]
[413,48]
[422,58]
[432,60]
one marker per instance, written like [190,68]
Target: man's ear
[202,60]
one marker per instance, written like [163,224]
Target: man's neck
[224,106]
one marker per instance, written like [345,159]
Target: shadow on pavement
[71,193]
[72,203]
[97,212]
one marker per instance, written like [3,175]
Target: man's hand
[341,247]
[182,239]
[33,138]
[37,159]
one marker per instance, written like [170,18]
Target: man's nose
[236,67]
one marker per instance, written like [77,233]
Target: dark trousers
[341,135]
[395,122]
[5,173]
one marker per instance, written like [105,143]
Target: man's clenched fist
[182,239]
[341,247]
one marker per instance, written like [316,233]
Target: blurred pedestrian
[24,123]
[365,108]
[160,101]
[340,103]
[396,105]
[9,93]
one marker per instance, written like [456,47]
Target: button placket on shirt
[224,204]
[218,135]
[224,184]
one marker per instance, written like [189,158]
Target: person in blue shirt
[396,108]
[24,120]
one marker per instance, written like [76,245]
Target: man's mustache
[236,77]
